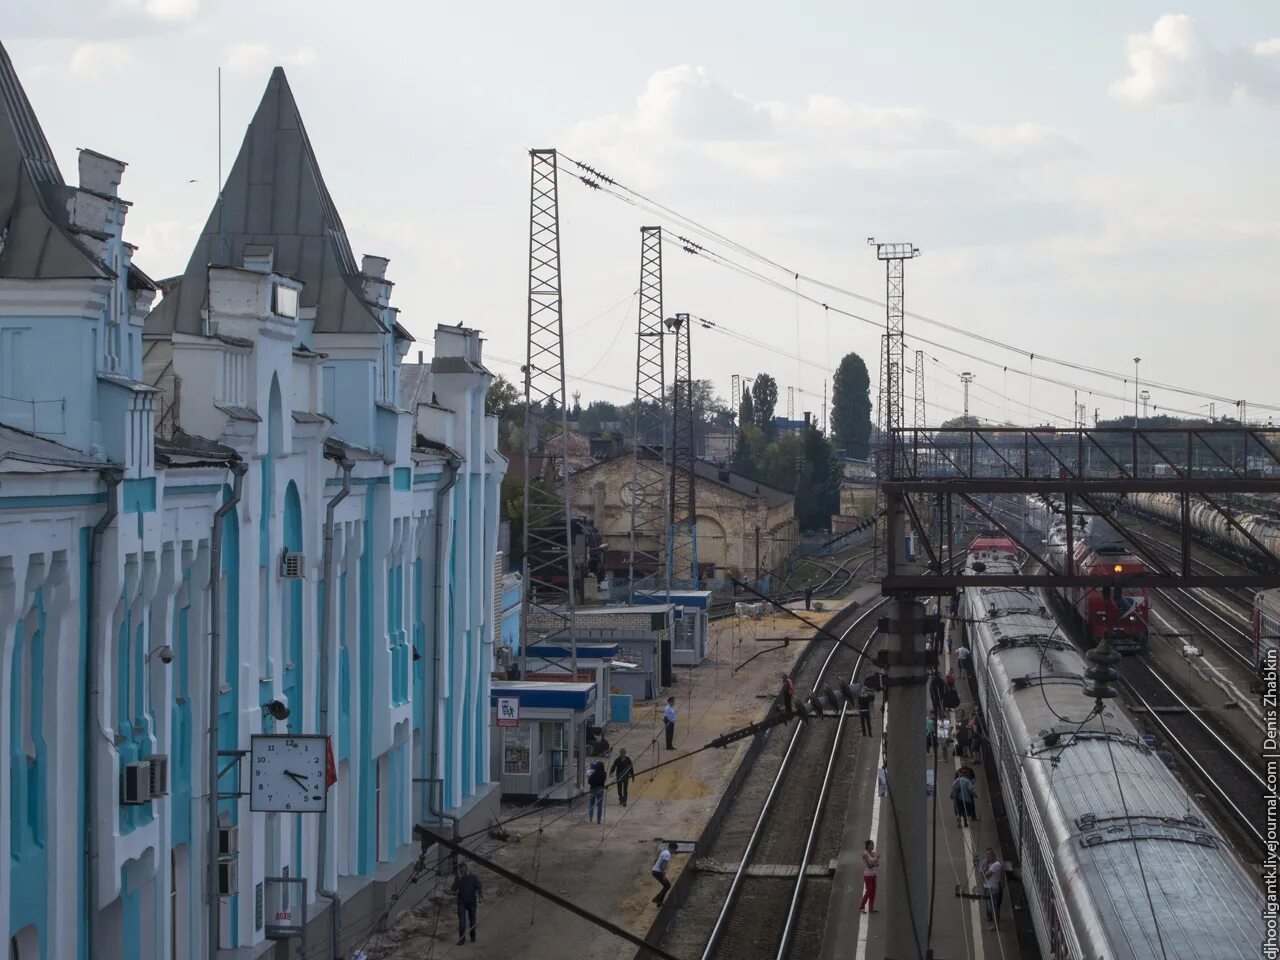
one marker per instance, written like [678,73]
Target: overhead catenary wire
[601,182]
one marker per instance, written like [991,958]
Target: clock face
[287,773]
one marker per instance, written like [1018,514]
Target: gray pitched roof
[35,243]
[275,196]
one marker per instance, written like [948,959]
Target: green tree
[746,410]
[749,449]
[961,423]
[502,396]
[820,484]
[851,407]
[781,461]
[764,398]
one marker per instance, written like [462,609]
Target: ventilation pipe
[238,470]
[326,633]
[93,695]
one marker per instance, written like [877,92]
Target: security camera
[165,653]
[277,709]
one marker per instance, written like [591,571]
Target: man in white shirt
[992,872]
[669,721]
[962,660]
[660,871]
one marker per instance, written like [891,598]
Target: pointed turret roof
[35,242]
[275,197]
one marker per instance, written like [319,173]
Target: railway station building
[233,454]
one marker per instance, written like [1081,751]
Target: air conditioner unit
[292,565]
[159,774]
[228,882]
[135,783]
[228,841]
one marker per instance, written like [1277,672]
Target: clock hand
[296,778]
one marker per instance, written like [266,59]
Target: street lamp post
[1136,361]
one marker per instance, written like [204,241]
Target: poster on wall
[515,750]
[508,711]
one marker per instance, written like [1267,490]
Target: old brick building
[745,529]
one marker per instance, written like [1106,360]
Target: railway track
[840,575]
[762,890]
[1230,780]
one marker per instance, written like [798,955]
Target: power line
[605,184]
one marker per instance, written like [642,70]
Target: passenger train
[1127,870]
[1121,614]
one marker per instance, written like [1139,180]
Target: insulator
[1102,673]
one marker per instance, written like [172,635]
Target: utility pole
[921,418]
[824,406]
[966,378]
[648,488]
[894,256]
[1136,361]
[906,657]
[549,570]
[682,540]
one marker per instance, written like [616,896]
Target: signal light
[1118,568]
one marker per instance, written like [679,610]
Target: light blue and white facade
[133,413]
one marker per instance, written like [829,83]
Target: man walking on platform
[669,722]
[865,699]
[992,873]
[623,771]
[660,871]
[469,890]
[595,801]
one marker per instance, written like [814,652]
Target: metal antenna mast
[966,378]
[682,543]
[920,419]
[549,570]
[791,403]
[735,404]
[892,359]
[648,487]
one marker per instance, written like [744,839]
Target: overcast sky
[1089,181]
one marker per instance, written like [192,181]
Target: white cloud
[162,11]
[1177,63]
[248,57]
[101,59]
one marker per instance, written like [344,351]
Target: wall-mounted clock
[287,773]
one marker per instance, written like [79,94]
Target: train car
[1209,526]
[1085,799]
[1266,628]
[1120,614]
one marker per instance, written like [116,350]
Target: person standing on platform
[808,598]
[865,699]
[623,771]
[595,802]
[962,798]
[944,737]
[992,872]
[930,727]
[660,871]
[962,660]
[870,867]
[669,722]
[469,890]
[788,692]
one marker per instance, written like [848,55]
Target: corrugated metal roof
[34,241]
[20,452]
[276,197]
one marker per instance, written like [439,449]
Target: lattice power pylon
[735,404]
[892,358]
[648,482]
[682,540]
[921,418]
[791,404]
[549,569]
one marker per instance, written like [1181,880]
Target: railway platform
[960,929]
[606,867]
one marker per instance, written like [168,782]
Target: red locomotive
[1118,613]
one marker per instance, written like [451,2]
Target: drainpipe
[238,470]
[93,697]
[451,465]
[326,632]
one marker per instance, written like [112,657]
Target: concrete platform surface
[606,868]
